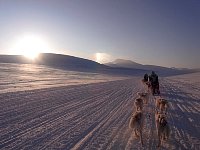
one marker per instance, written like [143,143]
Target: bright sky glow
[30,46]
[102,58]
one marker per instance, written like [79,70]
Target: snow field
[96,116]
[20,77]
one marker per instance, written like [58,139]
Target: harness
[163,122]
[137,116]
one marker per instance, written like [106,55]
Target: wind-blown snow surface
[96,116]
[19,77]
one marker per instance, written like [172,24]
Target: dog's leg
[141,139]
[162,137]
[145,100]
[136,132]
[157,126]
[159,140]
[165,135]
[167,132]
[162,108]
[157,103]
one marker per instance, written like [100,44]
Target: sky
[157,32]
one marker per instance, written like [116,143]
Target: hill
[163,71]
[67,62]
[118,67]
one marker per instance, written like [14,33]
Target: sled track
[95,116]
[183,115]
[63,117]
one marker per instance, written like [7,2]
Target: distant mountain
[71,63]
[131,64]
[163,71]
[118,67]
[124,63]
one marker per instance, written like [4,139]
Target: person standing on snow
[153,78]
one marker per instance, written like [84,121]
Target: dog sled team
[161,107]
[152,83]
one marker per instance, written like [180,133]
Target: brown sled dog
[163,129]
[162,104]
[138,104]
[136,122]
[144,96]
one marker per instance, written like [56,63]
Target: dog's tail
[132,122]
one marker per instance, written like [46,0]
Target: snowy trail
[66,117]
[96,116]
[184,113]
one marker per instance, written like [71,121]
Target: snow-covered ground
[96,115]
[19,77]
[183,93]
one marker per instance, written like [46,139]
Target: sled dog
[144,96]
[136,122]
[138,104]
[162,104]
[162,126]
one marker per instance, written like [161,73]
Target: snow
[93,113]
[19,77]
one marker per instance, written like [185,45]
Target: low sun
[99,57]
[30,46]
[102,57]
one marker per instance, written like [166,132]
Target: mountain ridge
[73,63]
[130,64]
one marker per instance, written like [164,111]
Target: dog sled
[155,89]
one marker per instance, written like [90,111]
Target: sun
[99,57]
[30,46]
[102,57]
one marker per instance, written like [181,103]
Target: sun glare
[30,46]
[102,57]
[98,57]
